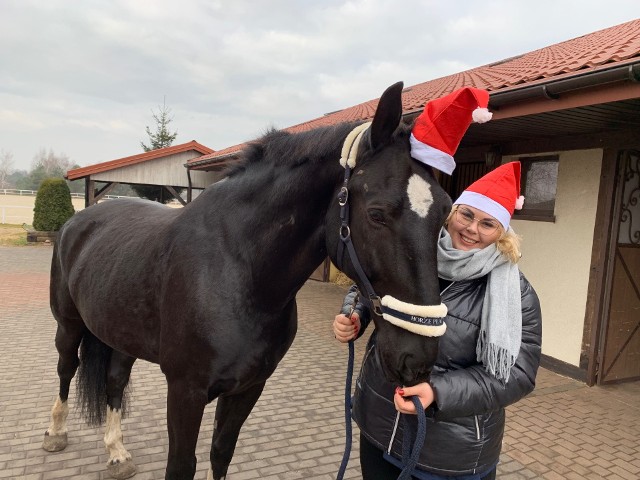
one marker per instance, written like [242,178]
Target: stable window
[538,185]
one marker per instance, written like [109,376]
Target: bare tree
[51,164]
[6,168]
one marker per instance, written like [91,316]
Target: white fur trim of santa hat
[487,205]
[481,115]
[431,156]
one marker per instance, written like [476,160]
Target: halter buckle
[376,304]
[343,196]
[345,232]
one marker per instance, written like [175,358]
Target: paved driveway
[563,430]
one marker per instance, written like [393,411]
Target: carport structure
[163,167]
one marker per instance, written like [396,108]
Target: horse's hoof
[54,443]
[121,470]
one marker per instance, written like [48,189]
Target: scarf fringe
[496,360]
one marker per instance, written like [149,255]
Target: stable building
[570,113]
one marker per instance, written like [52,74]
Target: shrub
[53,205]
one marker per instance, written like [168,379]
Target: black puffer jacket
[465,426]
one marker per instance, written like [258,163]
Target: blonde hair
[508,243]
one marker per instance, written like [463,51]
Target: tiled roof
[216,156]
[612,46]
[134,159]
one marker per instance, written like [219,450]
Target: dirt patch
[12,235]
[343,281]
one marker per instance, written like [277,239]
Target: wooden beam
[602,260]
[105,190]
[177,196]
[612,139]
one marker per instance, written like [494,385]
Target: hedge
[53,205]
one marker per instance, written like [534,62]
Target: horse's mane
[280,147]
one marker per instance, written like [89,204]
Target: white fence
[32,193]
[11,214]
[17,208]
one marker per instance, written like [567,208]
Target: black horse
[208,291]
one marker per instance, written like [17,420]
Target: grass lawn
[12,235]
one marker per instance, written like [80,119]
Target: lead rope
[347,414]
[409,455]
[411,460]
[347,402]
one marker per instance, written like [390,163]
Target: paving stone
[564,429]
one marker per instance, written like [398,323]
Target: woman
[488,358]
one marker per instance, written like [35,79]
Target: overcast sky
[83,77]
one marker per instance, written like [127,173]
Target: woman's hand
[402,397]
[345,328]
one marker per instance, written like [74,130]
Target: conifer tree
[162,138]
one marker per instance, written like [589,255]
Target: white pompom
[519,202]
[481,115]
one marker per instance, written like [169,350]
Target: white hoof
[54,443]
[121,470]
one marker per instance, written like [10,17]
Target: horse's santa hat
[438,130]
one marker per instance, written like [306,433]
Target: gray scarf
[501,322]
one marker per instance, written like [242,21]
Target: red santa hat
[438,130]
[497,193]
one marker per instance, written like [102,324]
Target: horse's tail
[91,380]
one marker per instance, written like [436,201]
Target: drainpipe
[190,187]
[554,88]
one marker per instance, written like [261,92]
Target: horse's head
[396,209]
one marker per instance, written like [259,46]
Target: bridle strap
[371,300]
[348,161]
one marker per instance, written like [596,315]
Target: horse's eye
[377,216]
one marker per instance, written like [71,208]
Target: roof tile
[594,50]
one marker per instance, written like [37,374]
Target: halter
[426,320]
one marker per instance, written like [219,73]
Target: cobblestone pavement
[563,430]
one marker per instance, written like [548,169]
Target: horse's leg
[68,340]
[185,406]
[231,412]
[120,465]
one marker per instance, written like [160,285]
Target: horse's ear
[388,115]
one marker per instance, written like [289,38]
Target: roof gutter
[552,89]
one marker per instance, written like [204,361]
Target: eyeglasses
[465,217]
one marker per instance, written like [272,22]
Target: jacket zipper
[393,434]
[366,355]
[477,427]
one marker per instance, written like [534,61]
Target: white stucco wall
[556,257]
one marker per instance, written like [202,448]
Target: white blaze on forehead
[420,197]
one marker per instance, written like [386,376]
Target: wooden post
[89,192]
